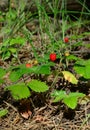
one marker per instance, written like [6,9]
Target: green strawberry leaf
[71,100]
[38,86]
[83,71]
[72,57]
[58,95]
[15,76]
[19,71]
[19,91]
[44,69]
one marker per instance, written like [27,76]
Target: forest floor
[44,115]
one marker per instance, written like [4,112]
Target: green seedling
[9,47]
[71,99]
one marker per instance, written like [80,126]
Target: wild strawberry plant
[70,99]
[9,47]
[21,90]
[24,90]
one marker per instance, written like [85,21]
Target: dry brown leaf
[26,115]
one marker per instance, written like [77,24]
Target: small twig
[32,103]
[9,105]
[84,51]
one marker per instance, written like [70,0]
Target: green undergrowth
[64,39]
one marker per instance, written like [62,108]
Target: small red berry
[66,39]
[28,65]
[53,56]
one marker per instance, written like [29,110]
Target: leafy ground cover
[44,68]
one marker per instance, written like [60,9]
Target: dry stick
[55,125]
[9,105]
[81,51]
[32,103]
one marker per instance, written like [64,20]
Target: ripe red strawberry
[53,56]
[66,39]
[28,65]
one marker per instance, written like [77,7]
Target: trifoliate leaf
[38,86]
[70,77]
[19,71]
[70,99]
[19,91]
